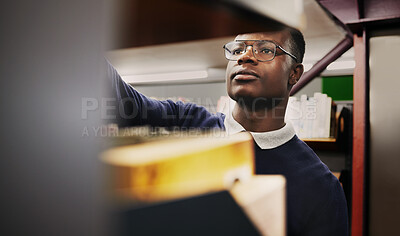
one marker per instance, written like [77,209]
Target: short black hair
[297,44]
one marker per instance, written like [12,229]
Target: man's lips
[245,75]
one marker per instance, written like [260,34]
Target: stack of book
[311,116]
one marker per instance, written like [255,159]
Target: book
[311,117]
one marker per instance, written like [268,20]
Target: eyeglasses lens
[262,50]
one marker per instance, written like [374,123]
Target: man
[262,69]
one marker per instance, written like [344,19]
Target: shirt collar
[265,140]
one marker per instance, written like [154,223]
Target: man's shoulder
[297,151]
[316,174]
[305,163]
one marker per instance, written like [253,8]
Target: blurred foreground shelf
[193,185]
[255,207]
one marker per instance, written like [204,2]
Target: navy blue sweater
[316,204]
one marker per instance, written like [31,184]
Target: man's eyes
[261,50]
[266,51]
[236,51]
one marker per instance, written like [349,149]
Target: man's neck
[261,120]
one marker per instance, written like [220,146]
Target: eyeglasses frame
[252,49]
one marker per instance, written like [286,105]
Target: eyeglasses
[263,50]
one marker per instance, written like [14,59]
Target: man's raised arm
[135,109]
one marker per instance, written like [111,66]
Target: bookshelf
[340,138]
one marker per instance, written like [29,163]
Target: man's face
[253,80]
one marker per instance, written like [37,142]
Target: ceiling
[320,32]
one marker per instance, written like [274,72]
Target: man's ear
[296,73]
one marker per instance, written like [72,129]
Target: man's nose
[247,56]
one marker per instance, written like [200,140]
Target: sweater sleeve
[135,109]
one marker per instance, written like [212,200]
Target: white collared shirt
[265,140]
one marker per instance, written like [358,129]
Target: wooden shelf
[323,144]
[323,140]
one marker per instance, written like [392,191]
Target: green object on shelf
[339,88]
